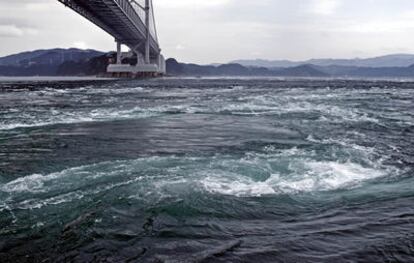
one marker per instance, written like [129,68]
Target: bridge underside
[126,24]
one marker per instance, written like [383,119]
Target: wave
[319,105]
[272,172]
[62,117]
[250,106]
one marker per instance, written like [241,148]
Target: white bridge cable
[139,7]
[153,26]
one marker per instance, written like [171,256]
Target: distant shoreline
[50,78]
[230,77]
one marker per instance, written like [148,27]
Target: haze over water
[207,170]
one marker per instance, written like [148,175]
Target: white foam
[311,177]
[268,104]
[252,175]
[35,183]
[31,183]
[343,142]
[239,186]
[277,104]
[55,200]
[62,117]
[37,202]
[326,176]
[110,91]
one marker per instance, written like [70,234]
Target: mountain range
[307,70]
[55,56]
[176,68]
[77,62]
[54,62]
[396,60]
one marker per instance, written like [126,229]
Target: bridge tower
[132,24]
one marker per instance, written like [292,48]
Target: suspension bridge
[131,23]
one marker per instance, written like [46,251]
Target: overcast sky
[208,31]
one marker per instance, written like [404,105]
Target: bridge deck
[119,19]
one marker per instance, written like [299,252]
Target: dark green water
[207,170]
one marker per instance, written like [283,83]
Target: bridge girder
[119,19]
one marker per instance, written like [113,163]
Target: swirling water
[207,170]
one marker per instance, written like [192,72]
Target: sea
[206,170]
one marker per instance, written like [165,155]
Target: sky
[219,31]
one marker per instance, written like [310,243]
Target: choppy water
[198,170]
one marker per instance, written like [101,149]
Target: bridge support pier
[150,62]
[137,71]
[118,52]
[144,68]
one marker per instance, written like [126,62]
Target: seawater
[206,170]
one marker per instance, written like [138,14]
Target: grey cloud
[206,31]
[18,22]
